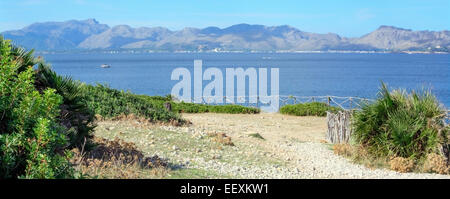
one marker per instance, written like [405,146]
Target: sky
[348,18]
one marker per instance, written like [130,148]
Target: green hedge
[308,109]
[110,103]
[183,107]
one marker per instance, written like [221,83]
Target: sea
[300,74]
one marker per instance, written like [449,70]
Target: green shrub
[75,117]
[308,109]
[111,103]
[401,124]
[31,139]
[183,107]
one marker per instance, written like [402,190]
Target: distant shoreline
[237,51]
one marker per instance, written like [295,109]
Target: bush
[111,103]
[401,124]
[308,109]
[183,107]
[75,117]
[31,139]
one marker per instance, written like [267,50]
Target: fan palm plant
[409,125]
[75,114]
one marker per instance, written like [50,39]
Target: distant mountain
[56,35]
[389,37]
[89,34]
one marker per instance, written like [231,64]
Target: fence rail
[346,103]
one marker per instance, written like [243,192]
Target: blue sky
[345,17]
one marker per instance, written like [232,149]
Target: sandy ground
[272,126]
[292,147]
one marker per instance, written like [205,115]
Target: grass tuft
[257,135]
[221,138]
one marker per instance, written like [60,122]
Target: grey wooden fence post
[339,127]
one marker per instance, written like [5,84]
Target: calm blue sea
[300,74]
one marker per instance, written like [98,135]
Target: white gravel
[318,161]
[303,160]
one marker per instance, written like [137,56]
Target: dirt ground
[272,126]
[266,145]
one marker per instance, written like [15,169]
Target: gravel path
[301,145]
[293,147]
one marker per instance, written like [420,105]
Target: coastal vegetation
[308,109]
[183,107]
[401,124]
[32,141]
[400,130]
[110,103]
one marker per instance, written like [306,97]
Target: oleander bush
[401,124]
[32,142]
[308,109]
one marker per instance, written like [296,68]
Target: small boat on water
[105,66]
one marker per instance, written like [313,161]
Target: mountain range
[90,34]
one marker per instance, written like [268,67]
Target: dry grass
[436,164]
[343,149]
[401,164]
[433,164]
[137,121]
[359,155]
[221,138]
[118,159]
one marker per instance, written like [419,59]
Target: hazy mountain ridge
[55,35]
[90,34]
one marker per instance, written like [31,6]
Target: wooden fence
[339,127]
